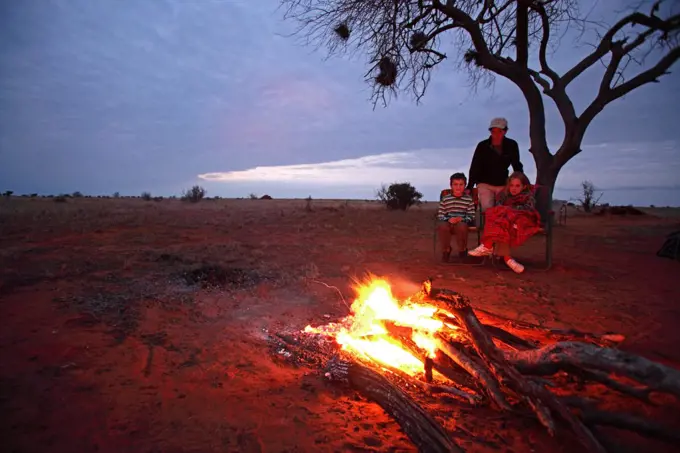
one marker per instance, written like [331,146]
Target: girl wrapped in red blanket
[512,221]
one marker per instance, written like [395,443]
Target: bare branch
[522,33]
[545,39]
[485,58]
[607,41]
[607,94]
[540,80]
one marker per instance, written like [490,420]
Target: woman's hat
[500,123]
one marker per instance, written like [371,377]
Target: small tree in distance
[587,200]
[398,196]
[194,195]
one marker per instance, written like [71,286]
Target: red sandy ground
[89,288]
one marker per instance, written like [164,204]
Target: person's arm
[441,212]
[499,199]
[470,213]
[475,167]
[528,204]
[514,156]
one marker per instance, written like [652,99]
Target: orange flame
[363,332]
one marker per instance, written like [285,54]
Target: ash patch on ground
[205,271]
[120,306]
[215,276]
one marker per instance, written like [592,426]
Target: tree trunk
[545,180]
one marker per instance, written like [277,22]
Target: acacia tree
[509,38]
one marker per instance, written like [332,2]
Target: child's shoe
[481,250]
[514,265]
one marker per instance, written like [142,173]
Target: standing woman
[490,162]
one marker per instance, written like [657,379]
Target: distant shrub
[194,195]
[624,210]
[146,196]
[7,193]
[60,198]
[77,194]
[399,196]
[253,196]
[116,194]
[588,200]
[157,198]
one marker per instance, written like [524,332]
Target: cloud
[367,170]
[608,165]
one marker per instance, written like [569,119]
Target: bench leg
[548,247]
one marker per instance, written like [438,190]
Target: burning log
[641,393]
[419,426]
[592,416]
[452,370]
[434,342]
[508,338]
[570,355]
[493,320]
[489,384]
[541,401]
[431,388]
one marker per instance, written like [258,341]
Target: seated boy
[456,213]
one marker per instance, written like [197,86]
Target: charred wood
[423,430]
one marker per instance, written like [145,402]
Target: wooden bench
[545,231]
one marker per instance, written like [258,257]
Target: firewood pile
[478,358]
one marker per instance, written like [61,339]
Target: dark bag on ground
[671,248]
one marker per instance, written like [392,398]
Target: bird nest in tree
[387,74]
[434,343]
[471,56]
[342,31]
[418,40]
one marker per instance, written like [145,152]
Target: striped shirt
[451,206]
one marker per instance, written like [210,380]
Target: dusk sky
[100,96]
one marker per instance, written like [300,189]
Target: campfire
[368,332]
[435,342]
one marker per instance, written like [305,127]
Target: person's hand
[455,220]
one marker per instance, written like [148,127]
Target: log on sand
[569,355]
[539,399]
[419,426]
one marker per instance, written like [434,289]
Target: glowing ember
[363,332]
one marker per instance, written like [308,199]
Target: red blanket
[504,224]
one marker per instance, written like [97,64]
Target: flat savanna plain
[133,326]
